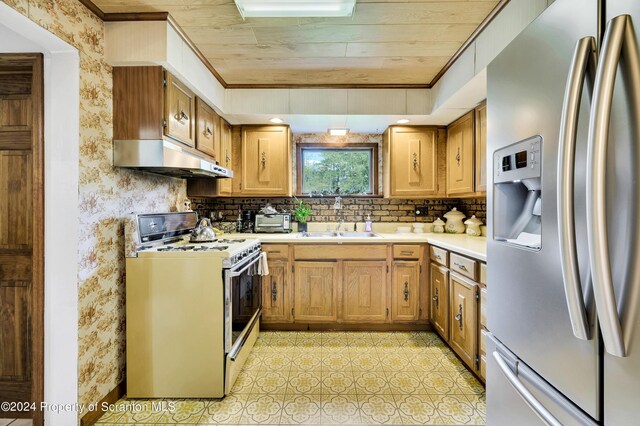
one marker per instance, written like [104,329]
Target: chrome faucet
[337,208]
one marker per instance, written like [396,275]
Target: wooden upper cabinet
[275,288]
[481,147]
[439,280]
[180,108]
[266,161]
[411,162]
[464,318]
[207,129]
[225,186]
[405,291]
[315,291]
[364,289]
[138,103]
[460,155]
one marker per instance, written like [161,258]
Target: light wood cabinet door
[315,291]
[266,161]
[364,289]
[207,129]
[464,318]
[481,148]
[225,186]
[412,167]
[180,108]
[275,297]
[460,155]
[405,293]
[439,288]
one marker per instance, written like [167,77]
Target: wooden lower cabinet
[275,292]
[405,291]
[315,291]
[463,318]
[364,291]
[439,288]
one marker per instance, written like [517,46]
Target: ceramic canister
[454,222]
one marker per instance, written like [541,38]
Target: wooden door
[364,288]
[405,293]
[180,108]
[21,232]
[207,129]
[315,291]
[463,317]
[439,280]
[481,147]
[266,165]
[275,297]
[413,162]
[460,155]
[225,158]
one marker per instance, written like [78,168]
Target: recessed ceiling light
[338,132]
[276,120]
[403,121]
[294,8]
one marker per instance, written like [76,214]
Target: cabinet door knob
[436,298]
[458,156]
[182,116]
[263,159]
[274,291]
[459,316]
[406,291]
[208,132]
[415,161]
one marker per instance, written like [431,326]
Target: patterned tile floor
[335,378]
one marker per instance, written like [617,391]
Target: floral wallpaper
[106,195]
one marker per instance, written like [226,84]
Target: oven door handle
[232,274]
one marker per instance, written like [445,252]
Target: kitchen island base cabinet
[405,296]
[275,299]
[315,291]
[364,291]
[440,299]
[464,317]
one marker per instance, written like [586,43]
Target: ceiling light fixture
[295,8]
[403,121]
[276,120]
[338,132]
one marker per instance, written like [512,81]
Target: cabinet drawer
[483,341]
[483,307]
[342,251]
[276,251]
[483,273]
[463,266]
[439,255]
[401,251]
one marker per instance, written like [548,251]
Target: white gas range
[193,309]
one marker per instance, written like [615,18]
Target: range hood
[164,157]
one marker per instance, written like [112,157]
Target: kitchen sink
[324,234]
[359,235]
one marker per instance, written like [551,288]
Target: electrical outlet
[421,211]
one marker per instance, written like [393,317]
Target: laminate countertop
[475,247]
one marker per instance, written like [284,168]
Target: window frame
[373,147]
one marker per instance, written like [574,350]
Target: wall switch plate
[421,211]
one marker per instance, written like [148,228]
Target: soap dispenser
[368,224]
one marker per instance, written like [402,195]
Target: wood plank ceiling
[385,42]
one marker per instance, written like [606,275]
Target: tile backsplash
[353,208]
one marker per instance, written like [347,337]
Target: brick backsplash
[353,209]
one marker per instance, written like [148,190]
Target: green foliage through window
[324,170]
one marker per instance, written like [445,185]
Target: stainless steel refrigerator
[563,111]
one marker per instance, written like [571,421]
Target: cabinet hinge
[293,268]
[164,123]
[420,312]
[387,271]
[477,362]
[387,312]
[292,311]
[164,82]
[420,268]
[477,294]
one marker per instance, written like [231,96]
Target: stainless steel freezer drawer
[508,406]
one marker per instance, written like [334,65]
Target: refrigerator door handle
[583,65]
[618,38]
[526,395]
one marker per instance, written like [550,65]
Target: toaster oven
[277,222]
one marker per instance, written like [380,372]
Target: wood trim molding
[165,16]
[364,146]
[474,35]
[112,397]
